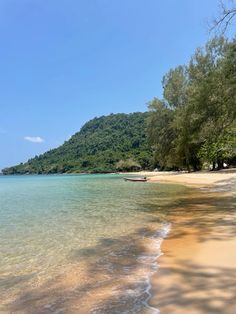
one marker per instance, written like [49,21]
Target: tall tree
[161,133]
[174,86]
[213,98]
[195,122]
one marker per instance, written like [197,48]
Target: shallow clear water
[51,224]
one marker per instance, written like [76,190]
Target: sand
[200,178]
[198,267]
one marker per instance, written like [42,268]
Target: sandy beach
[198,265]
[195,179]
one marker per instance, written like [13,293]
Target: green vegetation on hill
[105,144]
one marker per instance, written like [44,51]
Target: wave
[152,261]
[131,292]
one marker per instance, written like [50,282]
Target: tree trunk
[220,164]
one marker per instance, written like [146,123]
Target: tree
[128,165]
[225,18]
[160,132]
[174,86]
[213,97]
[170,123]
[195,122]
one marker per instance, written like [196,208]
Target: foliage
[195,122]
[128,165]
[98,147]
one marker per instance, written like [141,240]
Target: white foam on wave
[152,261]
[148,263]
[138,291]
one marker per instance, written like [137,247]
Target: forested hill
[105,144]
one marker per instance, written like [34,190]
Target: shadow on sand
[198,290]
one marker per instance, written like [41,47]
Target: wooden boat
[136,179]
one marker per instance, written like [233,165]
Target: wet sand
[198,265]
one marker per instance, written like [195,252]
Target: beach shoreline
[193,179]
[198,255]
[195,228]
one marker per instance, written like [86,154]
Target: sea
[81,243]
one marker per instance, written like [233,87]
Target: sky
[63,62]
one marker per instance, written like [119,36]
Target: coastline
[194,179]
[193,275]
[198,259]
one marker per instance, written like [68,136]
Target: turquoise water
[51,224]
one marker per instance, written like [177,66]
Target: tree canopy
[195,123]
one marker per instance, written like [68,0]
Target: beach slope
[198,265]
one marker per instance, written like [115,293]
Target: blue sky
[63,62]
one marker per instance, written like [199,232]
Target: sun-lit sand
[198,265]
[201,178]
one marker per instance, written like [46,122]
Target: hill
[104,144]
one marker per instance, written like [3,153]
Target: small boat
[136,179]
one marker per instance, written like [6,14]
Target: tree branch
[225,18]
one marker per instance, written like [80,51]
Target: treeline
[194,125]
[117,142]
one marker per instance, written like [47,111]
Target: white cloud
[34,139]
